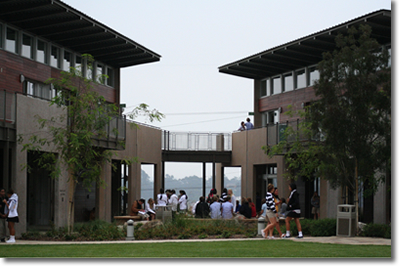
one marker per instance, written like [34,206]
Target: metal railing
[189,141]
[7,107]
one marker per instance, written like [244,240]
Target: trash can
[164,213]
[346,220]
[261,225]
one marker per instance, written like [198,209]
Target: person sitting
[149,208]
[137,209]
[245,210]
[202,209]
[215,208]
[253,208]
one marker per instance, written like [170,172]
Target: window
[270,117]
[100,73]
[67,60]
[41,52]
[288,82]
[263,88]
[55,57]
[301,80]
[110,79]
[314,75]
[27,46]
[276,85]
[78,64]
[40,90]
[12,40]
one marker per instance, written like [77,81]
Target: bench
[123,219]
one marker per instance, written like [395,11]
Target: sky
[196,37]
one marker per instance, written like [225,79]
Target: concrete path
[329,239]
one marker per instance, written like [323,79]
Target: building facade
[283,76]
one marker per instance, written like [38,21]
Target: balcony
[115,136]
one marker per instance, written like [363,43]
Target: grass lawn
[223,249]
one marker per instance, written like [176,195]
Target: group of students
[9,213]
[270,212]
[246,125]
[167,197]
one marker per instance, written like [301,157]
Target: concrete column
[103,195]
[218,178]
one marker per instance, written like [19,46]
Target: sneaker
[300,236]
[272,237]
[286,236]
[10,241]
[283,236]
[263,234]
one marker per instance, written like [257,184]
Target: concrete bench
[123,219]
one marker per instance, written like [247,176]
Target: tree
[353,112]
[86,116]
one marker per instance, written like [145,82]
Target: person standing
[183,198]
[227,209]
[162,199]
[3,215]
[242,127]
[12,213]
[293,206]
[173,200]
[248,124]
[315,200]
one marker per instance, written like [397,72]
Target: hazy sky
[196,37]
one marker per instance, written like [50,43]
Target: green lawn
[225,249]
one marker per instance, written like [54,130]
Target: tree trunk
[71,202]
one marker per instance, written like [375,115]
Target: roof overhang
[306,51]
[59,23]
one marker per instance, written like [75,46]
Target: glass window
[11,40]
[29,88]
[276,85]
[301,80]
[54,57]
[314,75]
[288,82]
[78,64]
[100,73]
[263,89]
[67,60]
[27,46]
[110,79]
[41,52]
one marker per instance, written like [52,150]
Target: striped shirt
[270,202]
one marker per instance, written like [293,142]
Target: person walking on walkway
[293,206]
[271,213]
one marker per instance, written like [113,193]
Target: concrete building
[283,76]
[38,40]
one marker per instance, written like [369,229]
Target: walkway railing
[188,141]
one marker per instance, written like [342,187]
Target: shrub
[377,230]
[323,227]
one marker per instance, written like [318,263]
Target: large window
[55,57]
[110,78]
[313,74]
[27,46]
[276,85]
[288,82]
[270,117]
[100,72]
[41,52]
[12,40]
[40,90]
[67,60]
[263,88]
[301,78]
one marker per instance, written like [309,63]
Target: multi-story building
[38,40]
[284,76]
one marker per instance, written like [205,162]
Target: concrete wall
[27,124]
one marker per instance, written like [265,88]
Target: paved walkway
[329,239]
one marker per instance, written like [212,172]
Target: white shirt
[194,207]
[215,210]
[233,201]
[173,200]
[148,209]
[183,202]
[163,201]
